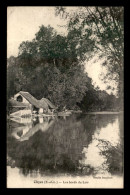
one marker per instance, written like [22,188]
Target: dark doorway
[19,98]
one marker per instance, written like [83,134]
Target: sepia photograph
[65,97]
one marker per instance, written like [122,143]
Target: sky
[24,22]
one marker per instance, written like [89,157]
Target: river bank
[105,112]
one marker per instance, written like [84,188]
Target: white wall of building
[23,101]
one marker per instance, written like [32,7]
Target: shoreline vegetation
[52,66]
[105,112]
[69,113]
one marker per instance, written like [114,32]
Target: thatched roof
[48,103]
[43,103]
[32,100]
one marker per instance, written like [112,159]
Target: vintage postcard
[65,97]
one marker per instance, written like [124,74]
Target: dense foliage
[103,29]
[49,66]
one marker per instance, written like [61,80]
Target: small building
[25,101]
[51,107]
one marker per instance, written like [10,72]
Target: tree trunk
[121,89]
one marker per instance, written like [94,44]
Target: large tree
[48,67]
[100,31]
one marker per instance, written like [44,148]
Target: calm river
[77,145]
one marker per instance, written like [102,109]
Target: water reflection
[25,132]
[109,134]
[78,144]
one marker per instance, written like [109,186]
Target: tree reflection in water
[56,146]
